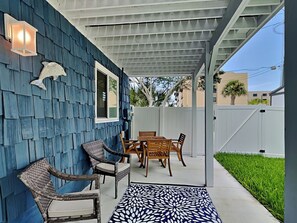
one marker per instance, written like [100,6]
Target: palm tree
[233,89]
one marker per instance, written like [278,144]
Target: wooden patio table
[143,140]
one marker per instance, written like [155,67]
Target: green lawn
[263,177]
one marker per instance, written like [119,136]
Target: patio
[232,201]
[100,39]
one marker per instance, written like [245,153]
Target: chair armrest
[65,176]
[117,153]
[66,197]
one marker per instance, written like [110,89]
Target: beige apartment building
[263,95]
[185,97]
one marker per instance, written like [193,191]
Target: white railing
[243,129]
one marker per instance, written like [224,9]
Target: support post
[209,169]
[194,117]
[290,70]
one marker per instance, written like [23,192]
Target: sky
[262,52]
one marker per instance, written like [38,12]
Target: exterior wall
[185,99]
[278,100]
[35,123]
[260,95]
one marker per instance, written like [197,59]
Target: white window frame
[108,73]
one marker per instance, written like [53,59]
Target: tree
[234,88]
[156,90]
[216,80]
[257,101]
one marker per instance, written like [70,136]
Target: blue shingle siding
[54,123]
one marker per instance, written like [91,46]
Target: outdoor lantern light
[22,36]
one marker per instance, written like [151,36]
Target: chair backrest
[147,133]
[123,143]
[158,148]
[37,178]
[181,139]
[94,148]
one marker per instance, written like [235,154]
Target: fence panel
[273,131]
[243,129]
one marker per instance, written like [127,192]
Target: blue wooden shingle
[48,93]
[69,110]
[10,108]
[42,128]
[38,8]
[67,143]
[35,129]
[26,64]
[25,106]
[22,154]
[58,161]
[2,162]
[7,78]
[39,24]
[48,147]
[57,144]
[32,155]
[40,46]
[39,150]
[5,52]
[1,104]
[71,125]
[22,83]
[61,91]
[58,52]
[38,107]
[56,109]
[48,108]
[75,110]
[63,109]
[50,131]
[27,130]
[64,126]
[57,126]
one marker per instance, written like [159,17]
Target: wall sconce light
[22,36]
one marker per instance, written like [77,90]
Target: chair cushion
[72,208]
[106,167]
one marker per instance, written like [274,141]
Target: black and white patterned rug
[165,203]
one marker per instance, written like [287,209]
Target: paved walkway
[233,203]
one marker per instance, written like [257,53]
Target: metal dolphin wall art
[50,69]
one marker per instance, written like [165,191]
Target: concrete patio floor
[233,203]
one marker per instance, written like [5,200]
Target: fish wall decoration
[50,69]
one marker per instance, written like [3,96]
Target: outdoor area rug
[165,203]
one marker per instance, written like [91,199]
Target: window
[264,94]
[254,95]
[107,95]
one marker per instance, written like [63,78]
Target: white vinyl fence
[243,129]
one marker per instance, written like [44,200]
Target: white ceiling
[166,37]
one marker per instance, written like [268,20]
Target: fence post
[161,120]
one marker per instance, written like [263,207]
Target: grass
[263,177]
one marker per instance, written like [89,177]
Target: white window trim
[108,73]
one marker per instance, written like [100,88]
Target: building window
[255,95]
[264,94]
[107,95]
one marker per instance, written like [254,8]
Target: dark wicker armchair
[56,207]
[105,167]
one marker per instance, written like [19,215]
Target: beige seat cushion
[72,208]
[106,167]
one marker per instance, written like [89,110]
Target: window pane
[101,95]
[112,98]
